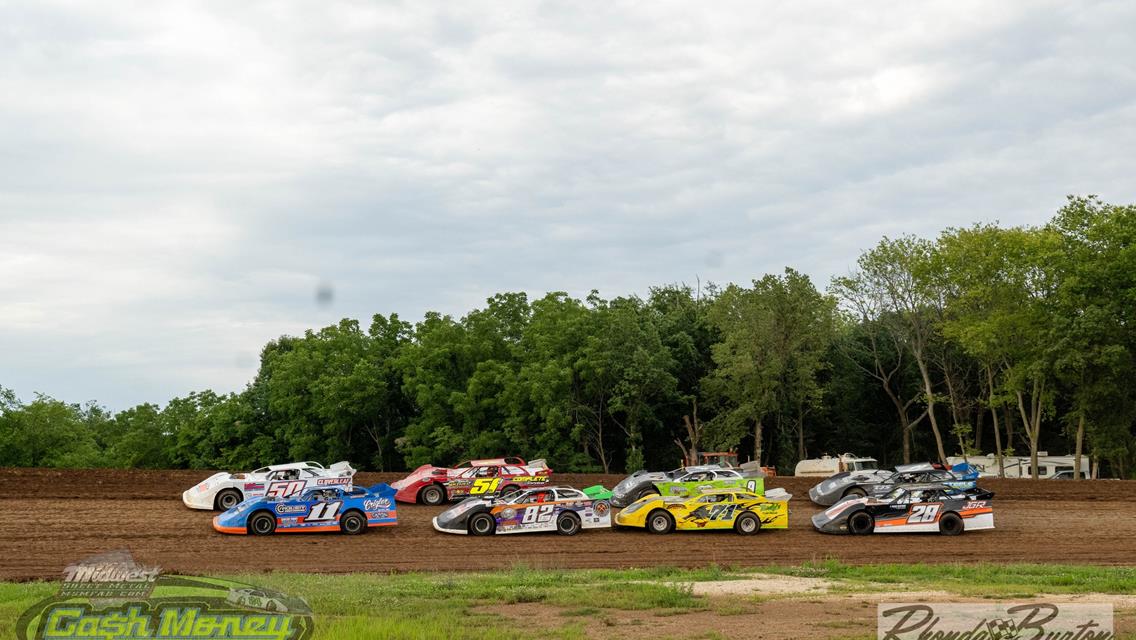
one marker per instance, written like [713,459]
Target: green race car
[686,483]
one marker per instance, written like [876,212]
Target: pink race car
[482,478]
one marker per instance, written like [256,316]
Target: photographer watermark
[111,596]
[985,621]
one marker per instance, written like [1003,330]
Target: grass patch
[993,580]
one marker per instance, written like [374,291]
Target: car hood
[638,478]
[425,472]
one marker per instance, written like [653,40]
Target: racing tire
[432,495]
[508,488]
[352,523]
[747,524]
[568,524]
[659,521]
[648,491]
[861,523]
[855,492]
[262,523]
[482,524]
[227,499]
[951,524]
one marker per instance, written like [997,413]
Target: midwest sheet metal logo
[111,596]
[982,621]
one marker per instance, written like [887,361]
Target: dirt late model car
[880,482]
[328,509]
[479,478]
[689,481]
[911,509]
[222,491]
[561,509]
[737,509]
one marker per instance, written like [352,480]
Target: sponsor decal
[254,486]
[332,481]
[508,513]
[112,596]
[1002,621]
[291,508]
[382,504]
[601,507]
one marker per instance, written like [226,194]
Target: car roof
[493,462]
[918,466]
[290,465]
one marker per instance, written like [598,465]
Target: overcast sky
[178,179]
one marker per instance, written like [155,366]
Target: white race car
[223,491]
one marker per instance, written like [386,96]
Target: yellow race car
[747,513]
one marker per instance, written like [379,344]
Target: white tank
[825,466]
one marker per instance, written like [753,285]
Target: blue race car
[318,509]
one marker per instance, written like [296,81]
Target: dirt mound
[57,516]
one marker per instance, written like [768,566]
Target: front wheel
[747,524]
[262,524]
[861,523]
[660,522]
[433,495]
[352,523]
[648,491]
[855,492]
[951,524]
[482,524]
[228,499]
[568,524]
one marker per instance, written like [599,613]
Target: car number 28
[537,514]
[923,513]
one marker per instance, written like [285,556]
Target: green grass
[460,605]
[994,580]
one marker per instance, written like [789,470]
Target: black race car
[880,482]
[909,509]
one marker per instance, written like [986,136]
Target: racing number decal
[484,485]
[722,512]
[323,511]
[923,513]
[537,514]
[285,488]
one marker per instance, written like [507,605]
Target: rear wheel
[861,523]
[951,524]
[747,524]
[509,488]
[262,523]
[482,524]
[660,521]
[227,499]
[433,495]
[855,492]
[568,524]
[352,523]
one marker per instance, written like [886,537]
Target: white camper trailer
[1019,466]
[826,465]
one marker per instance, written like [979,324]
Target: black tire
[861,523]
[568,524]
[482,524]
[747,524]
[855,492]
[951,524]
[432,495]
[227,499]
[647,491]
[261,523]
[352,523]
[508,488]
[659,521]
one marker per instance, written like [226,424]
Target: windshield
[863,465]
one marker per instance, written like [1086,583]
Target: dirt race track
[54,517]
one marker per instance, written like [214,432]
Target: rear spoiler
[343,467]
[539,463]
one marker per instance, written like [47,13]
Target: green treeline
[986,338]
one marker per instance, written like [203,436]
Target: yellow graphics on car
[744,512]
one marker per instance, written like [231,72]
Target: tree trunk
[994,418]
[929,391]
[757,436]
[1080,445]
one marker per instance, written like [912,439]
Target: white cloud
[177,180]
